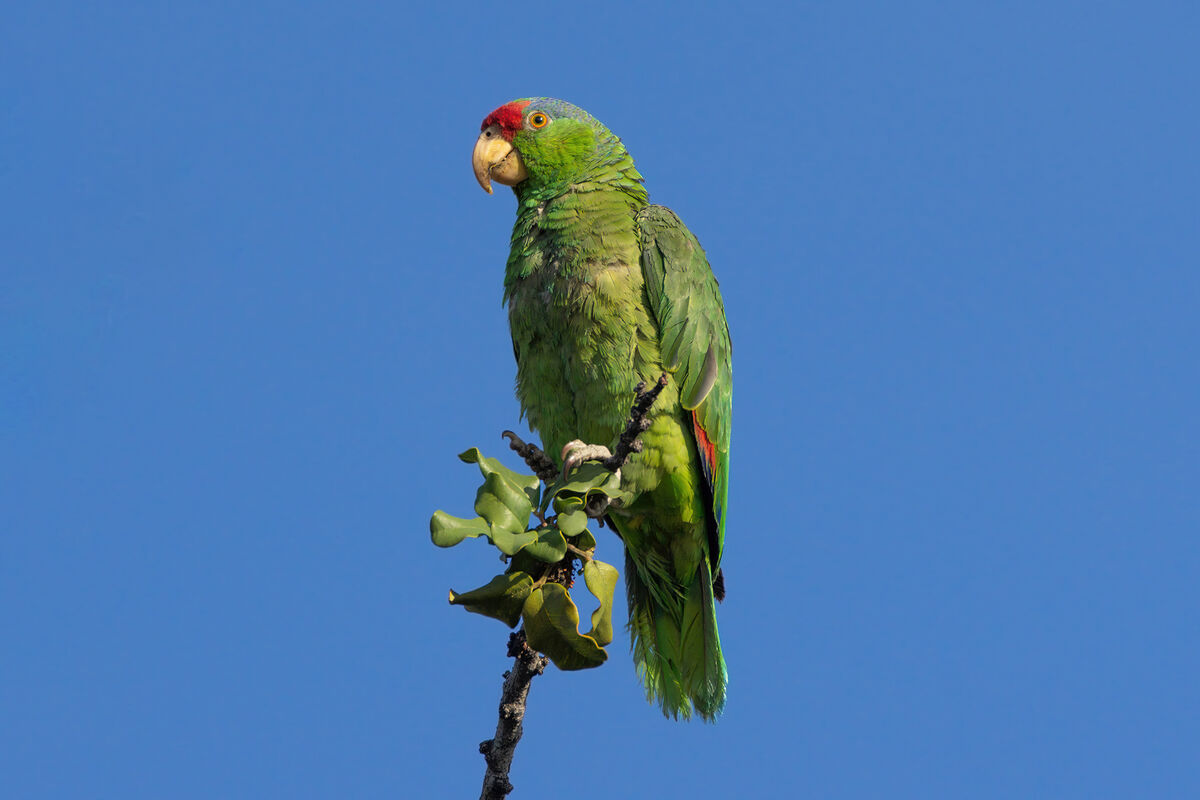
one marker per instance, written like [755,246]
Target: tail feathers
[703,666]
[659,676]
[675,645]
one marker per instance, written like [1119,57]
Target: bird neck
[606,165]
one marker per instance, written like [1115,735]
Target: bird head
[542,145]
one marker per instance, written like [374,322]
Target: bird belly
[582,344]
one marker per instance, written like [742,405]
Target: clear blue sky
[250,310]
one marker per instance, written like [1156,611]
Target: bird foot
[576,452]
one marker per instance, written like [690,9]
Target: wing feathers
[703,382]
[694,342]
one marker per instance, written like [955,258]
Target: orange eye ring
[538,120]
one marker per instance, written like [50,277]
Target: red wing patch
[708,450]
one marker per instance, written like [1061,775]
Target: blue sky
[250,311]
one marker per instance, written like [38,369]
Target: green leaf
[502,503]
[549,547]
[527,483]
[565,503]
[511,543]
[584,541]
[502,598]
[588,480]
[601,580]
[618,496]
[447,530]
[523,562]
[552,627]
[572,523]
[588,476]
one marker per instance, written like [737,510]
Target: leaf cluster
[542,532]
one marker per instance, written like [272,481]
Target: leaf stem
[582,555]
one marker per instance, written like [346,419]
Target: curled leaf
[502,598]
[588,476]
[526,483]
[511,543]
[550,546]
[552,627]
[572,523]
[447,530]
[503,503]
[588,483]
[601,580]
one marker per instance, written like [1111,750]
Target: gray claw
[576,452]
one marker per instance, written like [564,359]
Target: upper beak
[494,159]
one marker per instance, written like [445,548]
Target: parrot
[604,291]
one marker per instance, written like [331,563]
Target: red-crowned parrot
[605,290]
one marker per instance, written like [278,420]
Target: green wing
[694,339]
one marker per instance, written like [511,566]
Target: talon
[576,452]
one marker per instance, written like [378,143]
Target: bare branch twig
[636,425]
[498,751]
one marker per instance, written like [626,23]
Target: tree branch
[498,751]
[637,424]
[629,443]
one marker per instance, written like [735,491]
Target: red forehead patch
[508,116]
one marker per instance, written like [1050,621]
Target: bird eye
[538,120]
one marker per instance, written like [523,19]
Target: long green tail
[676,648]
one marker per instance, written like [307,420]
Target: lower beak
[494,159]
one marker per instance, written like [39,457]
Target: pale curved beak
[494,159]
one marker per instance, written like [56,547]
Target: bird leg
[537,461]
[576,452]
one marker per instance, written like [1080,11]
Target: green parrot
[605,290]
